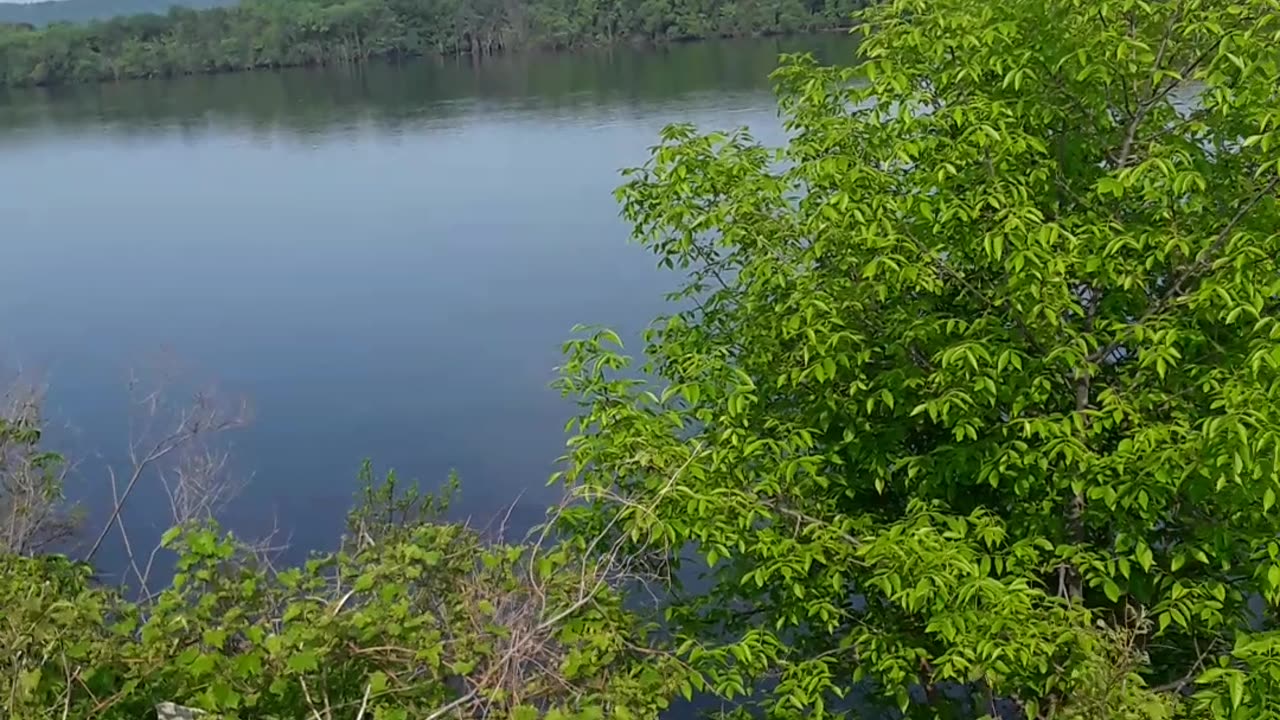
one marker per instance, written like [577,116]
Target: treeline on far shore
[284,33]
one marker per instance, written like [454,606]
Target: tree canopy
[973,398]
[53,11]
[282,33]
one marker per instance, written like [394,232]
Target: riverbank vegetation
[970,408]
[411,618]
[282,33]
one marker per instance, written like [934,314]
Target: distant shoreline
[310,33]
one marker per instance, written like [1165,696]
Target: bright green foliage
[976,382]
[1245,683]
[412,619]
[281,33]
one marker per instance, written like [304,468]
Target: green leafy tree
[973,395]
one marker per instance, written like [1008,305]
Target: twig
[364,703]
[451,706]
[337,608]
[161,450]
[797,515]
[200,419]
[310,702]
[124,535]
[1156,97]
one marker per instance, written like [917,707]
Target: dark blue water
[384,263]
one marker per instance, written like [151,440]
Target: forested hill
[39,14]
[280,33]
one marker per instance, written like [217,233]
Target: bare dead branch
[199,486]
[32,512]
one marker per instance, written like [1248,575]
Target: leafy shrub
[413,618]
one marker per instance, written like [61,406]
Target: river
[384,261]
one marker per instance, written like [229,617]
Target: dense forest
[282,33]
[39,14]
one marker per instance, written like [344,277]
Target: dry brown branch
[525,666]
[162,433]
[33,515]
[199,485]
[364,704]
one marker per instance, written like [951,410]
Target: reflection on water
[385,260]
[421,91]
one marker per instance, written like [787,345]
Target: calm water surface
[384,262]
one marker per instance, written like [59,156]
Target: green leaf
[202,665]
[1235,682]
[1110,186]
[166,540]
[1111,589]
[1142,553]
[302,662]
